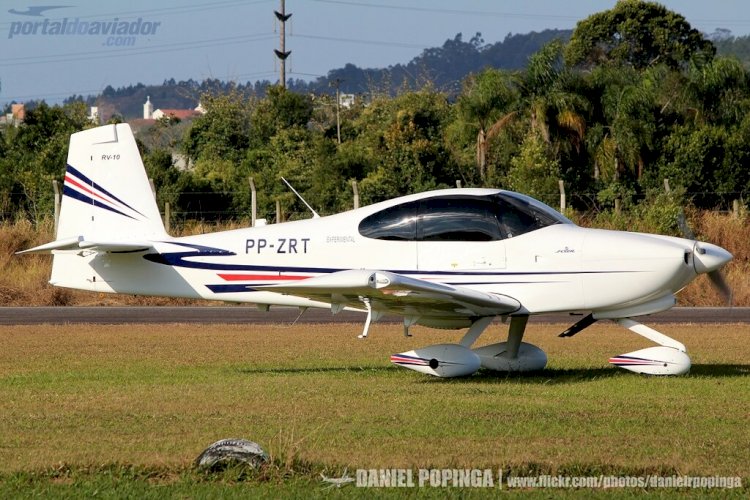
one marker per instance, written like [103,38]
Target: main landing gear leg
[513,355]
[366,302]
[372,315]
[476,329]
[515,335]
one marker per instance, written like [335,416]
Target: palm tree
[626,101]
[551,99]
[486,104]
[719,91]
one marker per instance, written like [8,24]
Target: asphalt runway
[288,315]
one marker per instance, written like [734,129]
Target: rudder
[106,193]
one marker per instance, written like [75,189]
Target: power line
[182,9]
[517,15]
[405,45]
[464,12]
[154,49]
[181,46]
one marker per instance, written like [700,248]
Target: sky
[234,39]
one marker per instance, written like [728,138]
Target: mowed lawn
[156,395]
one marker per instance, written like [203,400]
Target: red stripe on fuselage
[261,277]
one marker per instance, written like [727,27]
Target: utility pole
[336,84]
[282,53]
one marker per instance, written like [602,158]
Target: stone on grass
[231,452]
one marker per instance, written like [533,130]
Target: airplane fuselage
[559,267]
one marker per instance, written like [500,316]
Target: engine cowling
[495,357]
[440,360]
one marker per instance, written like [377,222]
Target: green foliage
[486,97]
[657,213]
[484,109]
[34,154]
[719,90]
[534,171]
[223,131]
[661,211]
[407,141]
[280,109]
[636,33]
[614,191]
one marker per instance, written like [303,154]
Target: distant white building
[148,109]
[94,115]
[16,116]
[346,100]
[179,114]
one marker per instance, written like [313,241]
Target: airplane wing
[398,294]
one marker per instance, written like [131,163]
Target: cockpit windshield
[461,218]
[519,214]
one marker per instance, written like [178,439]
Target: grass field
[126,409]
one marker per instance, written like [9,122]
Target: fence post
[563,202]
[56,187]
[253,203]
[458,183]
[278,211]
[355,190]
[167,216]
[736,209]
[681,219]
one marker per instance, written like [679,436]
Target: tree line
[636,95]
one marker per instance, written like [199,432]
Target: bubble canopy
[457,217]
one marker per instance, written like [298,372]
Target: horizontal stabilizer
[79,243]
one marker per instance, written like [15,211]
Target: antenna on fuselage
[315,214]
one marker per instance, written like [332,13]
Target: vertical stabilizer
[106,193]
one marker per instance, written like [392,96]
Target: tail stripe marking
[69,191]
[85,180]
[71,180]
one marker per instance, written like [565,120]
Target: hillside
[442,67]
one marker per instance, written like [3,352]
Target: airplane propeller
[708,259]
[718,281]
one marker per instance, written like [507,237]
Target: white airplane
[454,258]
[338,482]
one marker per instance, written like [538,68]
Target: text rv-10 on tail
[455,258]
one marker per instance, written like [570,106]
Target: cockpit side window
[457,219]
[397,223]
